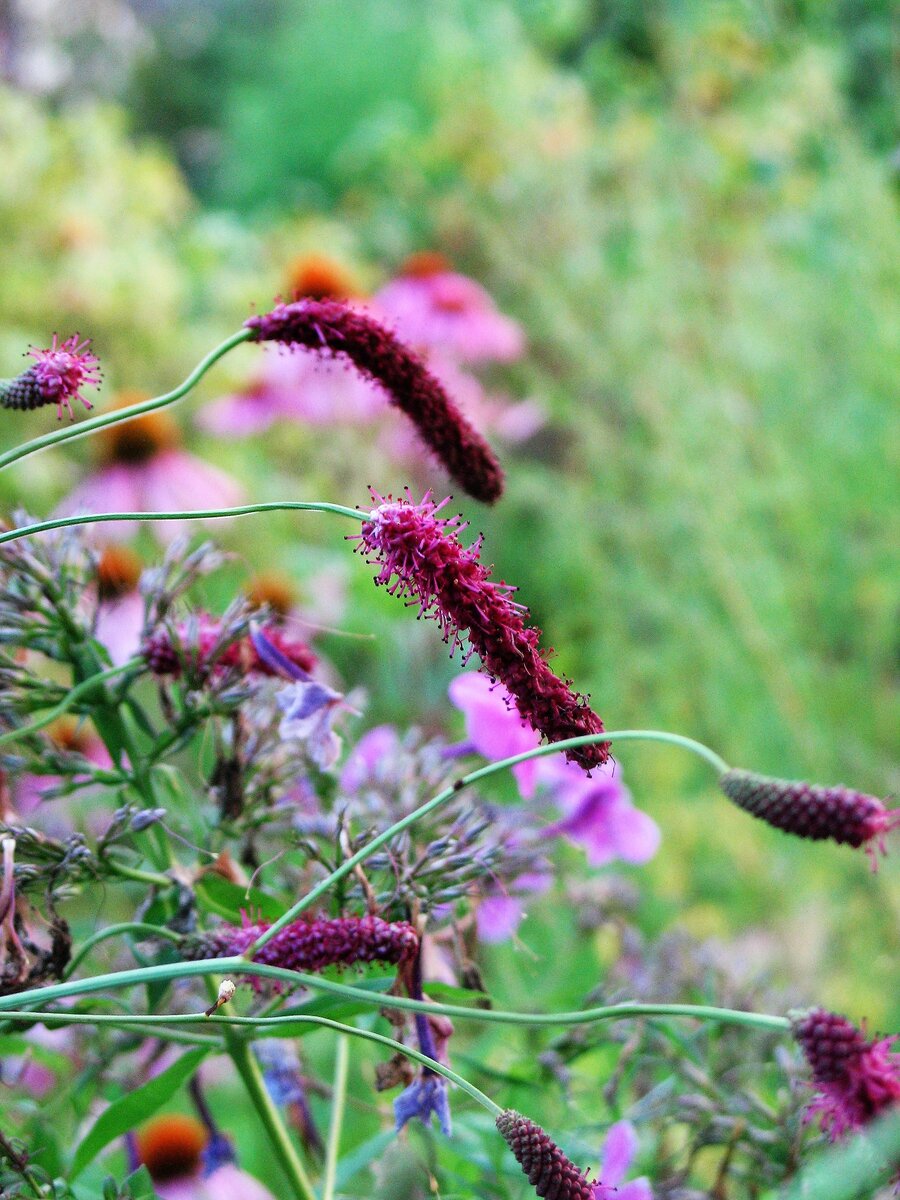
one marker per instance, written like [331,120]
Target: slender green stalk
[248,1068]
[285,1025]
[154,878]
[240,966]
[338,1104]
[204,514]
[84,428]
[77,693]
[115,931]
[465,781]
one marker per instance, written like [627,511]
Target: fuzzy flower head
[421,557]
[807,810]
[857,1079]
[332,329]
[57,376]
[551,1174]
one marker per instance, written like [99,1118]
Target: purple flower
[434,308]
[499,913]
[421,557]
[600,816]
[857,1079]
[425,1097]
[494,727]
[376,747]
[309,708]
[618,1152]
[57,376]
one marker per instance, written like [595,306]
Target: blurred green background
[692,210]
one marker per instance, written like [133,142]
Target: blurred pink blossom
[618,1151]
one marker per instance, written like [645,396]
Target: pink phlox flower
[118,626]
[372,753]
[62,370]
[169,481]
[444,311]
[309,709]
[618,1152]
[500,912]
[599,816]
[494,726]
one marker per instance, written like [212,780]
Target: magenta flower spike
[421,557]
[549,1172]
[57,376]
[857,1079]
[837,814]
[334,329]
[313,945]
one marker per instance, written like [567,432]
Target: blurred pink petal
[494,728]
[118,626]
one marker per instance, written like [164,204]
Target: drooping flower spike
[857,1079]
[550,1173]
[421,557]
[56,377]
[331,328]
[837,814]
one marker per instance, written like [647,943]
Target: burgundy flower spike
[313,945]
[838,814]
[857,1079]
[549,1172]
[55,378]
[329,327]
[421,557]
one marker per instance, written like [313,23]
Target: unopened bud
[226,992]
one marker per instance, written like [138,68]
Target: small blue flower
[281,1071]
[425,1097]
[216,1153]
[309,708]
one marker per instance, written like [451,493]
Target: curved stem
[77,693]
[261,1023]
[240,966]
[84,428]
[200,514]
[114,931]
[465,781]
[338,1102]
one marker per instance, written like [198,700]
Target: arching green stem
[205,514]
[240,966]
[84,428]
[465,781]
[139,927]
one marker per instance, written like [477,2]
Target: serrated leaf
[228,900]
[125,1114]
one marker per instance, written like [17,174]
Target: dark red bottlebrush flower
[857,1079]
[313,945]
[56,377]
[171,654]
[549,1172]
[837,814]
[329,327]
[421,557]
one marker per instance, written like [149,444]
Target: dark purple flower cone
[858,1079]
[329,327]
[421,557]
[837,814]
[313,945]
[549,1172]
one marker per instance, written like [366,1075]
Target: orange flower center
[170,1146]
[118,572]
[317,277]
[424,263]
[70,733]
[142,438]
[273,590]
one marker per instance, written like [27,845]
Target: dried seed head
[819,813]
[549,1172]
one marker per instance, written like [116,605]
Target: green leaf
[136,1106]
[228,900]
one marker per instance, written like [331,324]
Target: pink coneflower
[58,374]
[857,1079]
[837,814]
[143,469]
[332,329]
[421,557]
[436,309]
[175,1149]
